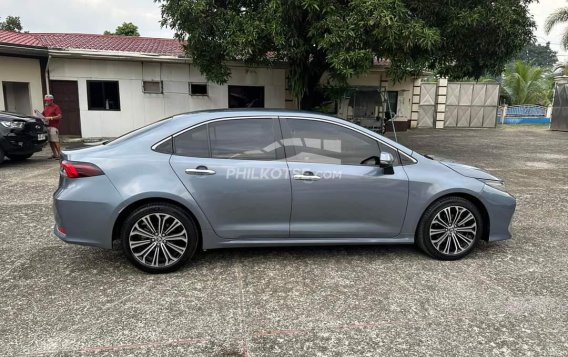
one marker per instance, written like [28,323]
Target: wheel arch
[473,199]
[131,207]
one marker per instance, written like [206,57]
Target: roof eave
[13,49]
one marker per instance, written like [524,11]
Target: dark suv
[20,136]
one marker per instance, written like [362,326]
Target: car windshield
[137,132]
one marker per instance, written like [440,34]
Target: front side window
[312,141]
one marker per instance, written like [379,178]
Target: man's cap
[48,97]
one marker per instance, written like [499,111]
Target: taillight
[74,169]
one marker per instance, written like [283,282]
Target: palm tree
[557,17]
[526,84]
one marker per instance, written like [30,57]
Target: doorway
[17,97]
[66,95]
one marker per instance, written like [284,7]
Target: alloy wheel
[453,230]
[158,240]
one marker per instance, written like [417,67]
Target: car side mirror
[386,160]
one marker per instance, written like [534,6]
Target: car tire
[1,156]
[16,157]
[159,238]
[450,228]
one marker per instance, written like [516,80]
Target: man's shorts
[53,134]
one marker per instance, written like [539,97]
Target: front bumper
[500,208]
[22,144]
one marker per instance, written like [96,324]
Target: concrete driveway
[507,299]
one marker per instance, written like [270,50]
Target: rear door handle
[200,171]
[311,177]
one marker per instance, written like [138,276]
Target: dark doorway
[392,106]
[66,95]
[246,97]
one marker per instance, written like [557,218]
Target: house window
[392,106]
[198,88]
[246,97]
[153,87]
[103,95]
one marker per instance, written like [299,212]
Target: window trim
[89,95]
[280,118]
[199,83]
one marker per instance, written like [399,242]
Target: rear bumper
[500,208]
[83,211]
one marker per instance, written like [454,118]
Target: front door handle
[200,171]
[307,176]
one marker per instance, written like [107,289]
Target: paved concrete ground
[506,299]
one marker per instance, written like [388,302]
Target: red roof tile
[18,38]
[75,41]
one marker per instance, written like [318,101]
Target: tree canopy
[539,55]
[558,17]
[459,39]
[524,83]
[11,23]
[126,29]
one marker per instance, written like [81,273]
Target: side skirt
[289,242]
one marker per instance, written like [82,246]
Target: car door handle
[307,177]
[200,171]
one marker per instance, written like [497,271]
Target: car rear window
[137,132]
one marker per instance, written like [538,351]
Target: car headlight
[13,124]
[496,184]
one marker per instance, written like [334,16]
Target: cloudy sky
[96,16]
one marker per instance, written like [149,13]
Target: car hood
[469,171]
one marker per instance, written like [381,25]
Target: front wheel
[450,228]
[159,238]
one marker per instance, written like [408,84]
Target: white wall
[138,108]
[27,70]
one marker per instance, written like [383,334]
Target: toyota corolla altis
[250,178]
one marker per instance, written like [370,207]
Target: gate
[427,109]
[471,105]
[559,117]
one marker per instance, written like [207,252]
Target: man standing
[52,114]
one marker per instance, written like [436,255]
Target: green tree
[539,55]
[558,17]
[527,84]
[11,23]
[126,29]
[341,38]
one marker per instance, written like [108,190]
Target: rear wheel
[17,157]
[1,156]
[450,228]
[159,238]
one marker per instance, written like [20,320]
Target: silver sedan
[230,178]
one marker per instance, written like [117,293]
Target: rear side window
[237,139]
[244,139]
[192,143]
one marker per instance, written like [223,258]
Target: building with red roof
[107,85]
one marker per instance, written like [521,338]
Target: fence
[523,114]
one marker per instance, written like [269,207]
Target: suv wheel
[450,228]
[16,157]
[159,238]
